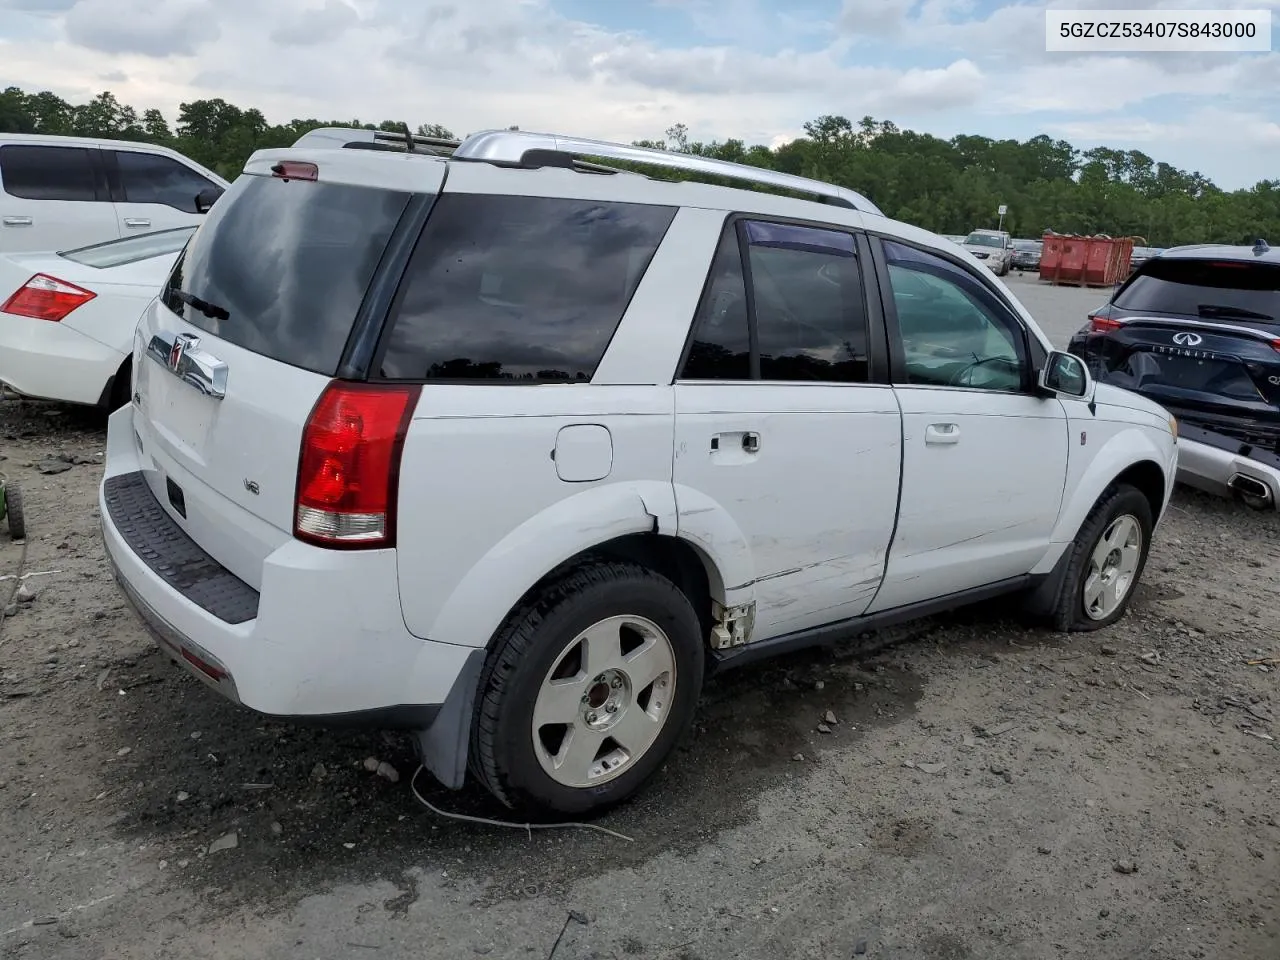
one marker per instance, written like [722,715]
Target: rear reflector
[295,170]
[46,298]
[1104,324]
[349,465]
[208,669]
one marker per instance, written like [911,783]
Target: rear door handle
[17,221]
[181,355]
[136,222]
[942,433]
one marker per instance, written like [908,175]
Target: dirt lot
[986,790]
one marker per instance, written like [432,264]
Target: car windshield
[116,253]
[1217,288]
[983,240]
[1032,245]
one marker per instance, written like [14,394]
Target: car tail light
[1275,344]
[1099,324]
[46,298]
[349,465]
[295,170]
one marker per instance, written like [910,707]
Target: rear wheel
[587,689]
[13,511]
[121,387]
[1107,559]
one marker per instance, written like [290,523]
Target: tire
[122,387]
[516,759]
[13,510]
[1072,610]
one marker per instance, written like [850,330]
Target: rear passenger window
[519,289]
[721,348]
[47,173]
[149,178]
[806,308]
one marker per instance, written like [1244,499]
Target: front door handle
[942,433]
[751,442]
[136,222]
[17,221]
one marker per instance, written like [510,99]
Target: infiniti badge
[1188,339]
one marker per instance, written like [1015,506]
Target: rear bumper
[323,641]
[50,361]
[1213,463]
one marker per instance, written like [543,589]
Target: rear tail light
[1275,344]
[349,465]
[46,298]
[1099,324]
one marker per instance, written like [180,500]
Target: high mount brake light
[46,298]
[295,170]
[349,464]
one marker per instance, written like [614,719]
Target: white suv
[57,193]
[511,451]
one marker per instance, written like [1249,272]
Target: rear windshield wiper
[211,310]
[1213,310]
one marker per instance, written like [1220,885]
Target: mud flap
[1043,597]
[443,746]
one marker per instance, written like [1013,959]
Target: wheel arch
[1129,456]
[632,521]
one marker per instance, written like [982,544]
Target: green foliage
[949,186]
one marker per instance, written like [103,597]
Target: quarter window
[150,178]
[47,173]
[953,332]
[805,318]
[519,289]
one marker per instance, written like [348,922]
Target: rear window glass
[280,267]
[1204,288]
[519,289]
[117,253]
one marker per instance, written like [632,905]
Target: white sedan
[67,318]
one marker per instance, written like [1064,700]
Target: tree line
[948,186]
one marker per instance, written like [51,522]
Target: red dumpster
[1099,261]
[1050,255]
[1063,259]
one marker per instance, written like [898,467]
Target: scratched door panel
[979,503]
[806,475]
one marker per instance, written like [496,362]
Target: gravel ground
[985,790]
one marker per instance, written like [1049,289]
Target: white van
[57,193]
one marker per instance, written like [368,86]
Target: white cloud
[1246,129]
[317,25]
[739,71]
[140,26]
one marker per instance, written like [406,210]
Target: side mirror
[206,198]
[1065,375]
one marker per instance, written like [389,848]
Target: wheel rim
[1113,566]
[604,701]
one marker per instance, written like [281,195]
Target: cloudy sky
[627,69]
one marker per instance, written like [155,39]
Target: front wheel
[1107,559]
[587,689]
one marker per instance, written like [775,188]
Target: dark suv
[1197,329]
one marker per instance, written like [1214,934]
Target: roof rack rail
[511,147]
[416,139]
[360,138]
